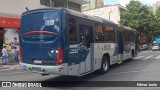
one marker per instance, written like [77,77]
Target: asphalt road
[144,67]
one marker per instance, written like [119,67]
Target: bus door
[85,37]
[136,43]
[73,47]
[119,45]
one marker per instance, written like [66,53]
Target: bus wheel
[132,55]
[104,65]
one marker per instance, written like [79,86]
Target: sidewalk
[9,66]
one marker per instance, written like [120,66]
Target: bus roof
[105,21]
[126,28]
[40,10]
[72,12]
[79,14]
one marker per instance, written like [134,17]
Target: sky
[123,2]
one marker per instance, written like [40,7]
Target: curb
[10,67]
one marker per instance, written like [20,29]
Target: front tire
[104,65]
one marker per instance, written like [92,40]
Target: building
[90,5]
[156,5]
[11,10]
[93,4]
[150,8]
[99,3]
[71,4]
[109,12]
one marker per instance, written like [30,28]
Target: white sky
[148,2]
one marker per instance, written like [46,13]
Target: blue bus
[65,42]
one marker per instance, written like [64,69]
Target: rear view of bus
[40,42]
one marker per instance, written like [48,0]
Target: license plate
[36,69]
[37,61]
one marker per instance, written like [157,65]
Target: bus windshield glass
[40,26]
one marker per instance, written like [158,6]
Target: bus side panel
[73,70]
[73,60]
[101,49]
[111,49]
[87,65]
[97,56]
[131,45]
[80,51]
[71,48]
[136,40]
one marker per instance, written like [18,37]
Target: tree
[139,17]
[158,12]
[156,31]
[136,16]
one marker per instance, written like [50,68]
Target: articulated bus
[65,42]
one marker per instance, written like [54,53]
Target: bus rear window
[40,26]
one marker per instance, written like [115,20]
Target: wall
[11,38]
[16,7]
[88,6]
[104,13]
[10,34]
[32,4]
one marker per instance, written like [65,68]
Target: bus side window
[85,35]
[99,33]
[109,34]
[125,36]
[72,29]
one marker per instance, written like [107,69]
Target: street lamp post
[109,14]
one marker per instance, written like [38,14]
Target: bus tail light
[20,54]
[59,57]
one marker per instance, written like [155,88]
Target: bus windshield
[40,26]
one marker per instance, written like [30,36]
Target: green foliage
[139,17]
[158,12]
